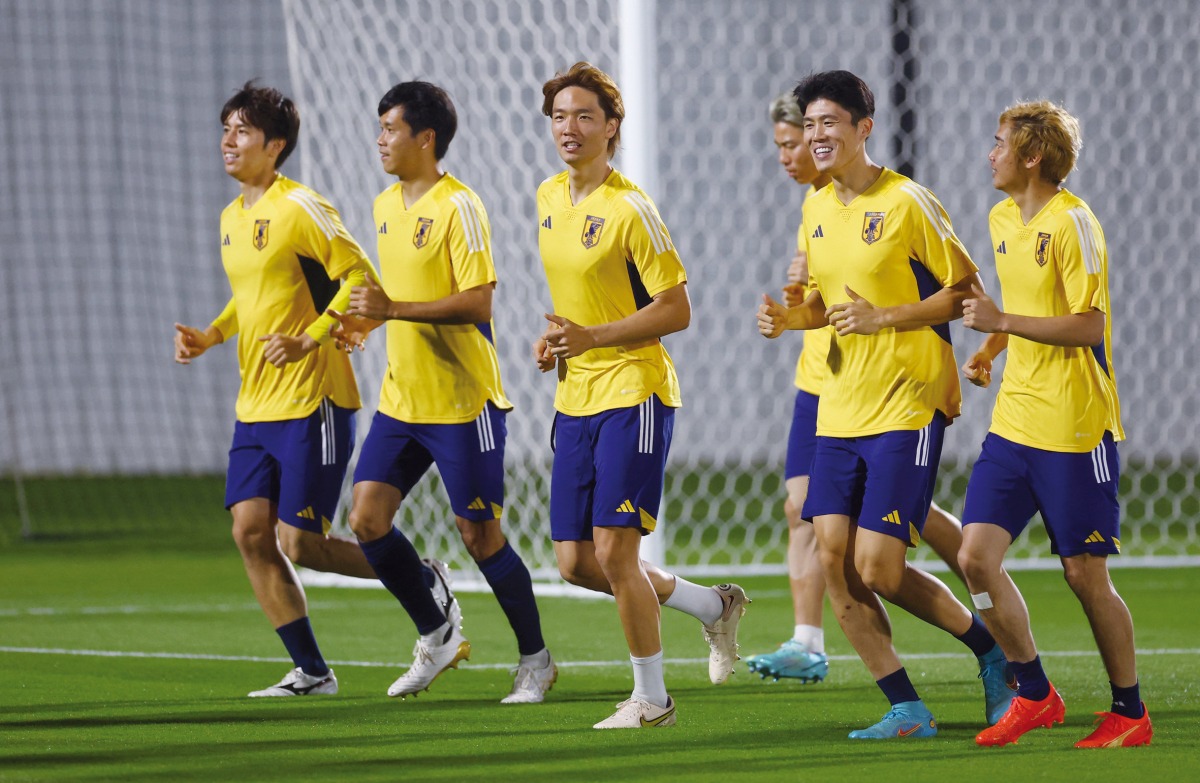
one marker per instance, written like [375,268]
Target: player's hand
[190,343]
[981,313]
[978,370]
[281,349]
[542,356]
[798,269]
[566,338]
[351,331]
[370,301]
[858,316]
[794,294]
[772,318]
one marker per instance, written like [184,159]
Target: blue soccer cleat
[906,719]
[793,660]
[998,688]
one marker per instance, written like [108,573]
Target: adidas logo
[818,233]
[1000,249]
[1094,538]
[383,228]
[225,242]
[477,505]
[893,517]
[546,222]
[307,513]
[626,507]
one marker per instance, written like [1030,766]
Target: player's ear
[865,125]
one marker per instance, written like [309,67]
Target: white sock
[438,637]
[811,637]
[648,683]
[703,603]
[539,660]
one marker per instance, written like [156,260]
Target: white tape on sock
[981,600]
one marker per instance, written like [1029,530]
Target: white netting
[109,232]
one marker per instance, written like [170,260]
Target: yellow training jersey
[439,246]
[605,258]
[810,367]
[892,245]
[1053,397]
[284,257]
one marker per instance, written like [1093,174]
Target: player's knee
[1085,578]
[976,566]
[300,546]
[367,527]
[881,580]
[482,539]
[252,537]
[791,510]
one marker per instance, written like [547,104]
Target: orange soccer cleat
[1024,715]
[1117,731]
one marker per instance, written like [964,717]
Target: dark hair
[426,107]
[842,87]
[588,77]
[270,111]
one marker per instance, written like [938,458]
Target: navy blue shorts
[298,464]
[882,482]
[1075,493]
[469,457]
[802,437]
[609,469]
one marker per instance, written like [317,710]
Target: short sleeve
[323,237]
[469,236]
[932,238]
[1079,253]
[649,247]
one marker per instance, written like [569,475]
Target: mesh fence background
[111,184]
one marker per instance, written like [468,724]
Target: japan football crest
[872,227]
[591,231]
[421,235]
[260,233]
[1043,248]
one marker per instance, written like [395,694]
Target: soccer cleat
[998,689]
[532,683]
[431,660]
[297,683]
[1023,716]
[793,660]
[639,714]
[442,592]
[906,719]
[722,634]
[1117,731]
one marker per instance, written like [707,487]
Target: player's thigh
[837,481]
[470,460]
[1077,495]
[901,469]
[631,461]
[572,479]
[314,454]
[802,438]
[392,454]
[252,471]
[373,507]
[999,493]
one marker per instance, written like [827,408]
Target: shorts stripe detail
[922,458]
[646,427]
[328,440]
[483,427]
[1100,464]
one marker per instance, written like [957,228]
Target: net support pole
[638,78]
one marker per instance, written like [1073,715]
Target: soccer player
[887,273]
[803,655]
[284,249]
[442,401]
[1051,448]
[618,287]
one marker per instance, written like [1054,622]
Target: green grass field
[129,660]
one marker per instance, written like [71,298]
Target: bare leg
[982,560]
[617,553]
[944,534]
[805,576]
[331,554]
[1112,625]
[272,577]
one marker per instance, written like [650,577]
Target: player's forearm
[321,329]
[943,307]
[473,306]
[809,314]
[669,312]
[992,346]
[1078,330]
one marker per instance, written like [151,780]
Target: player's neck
[254,189]
[587,177]
[855,179]
[820,181]
[1033,196]
[412,189]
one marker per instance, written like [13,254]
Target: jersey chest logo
[1043,248]
[872,227]
[260,233]
[424,229]
[591,231]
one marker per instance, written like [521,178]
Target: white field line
[487,666]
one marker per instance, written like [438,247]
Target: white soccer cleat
[722,634]
[297,683]
[532,683]
[442,592]
[430,661]
[639,714]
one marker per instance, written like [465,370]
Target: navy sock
[897,687]
[398,566]
[1127,701]
[977,637]
[505,571]
[1031,679]
[301,644]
